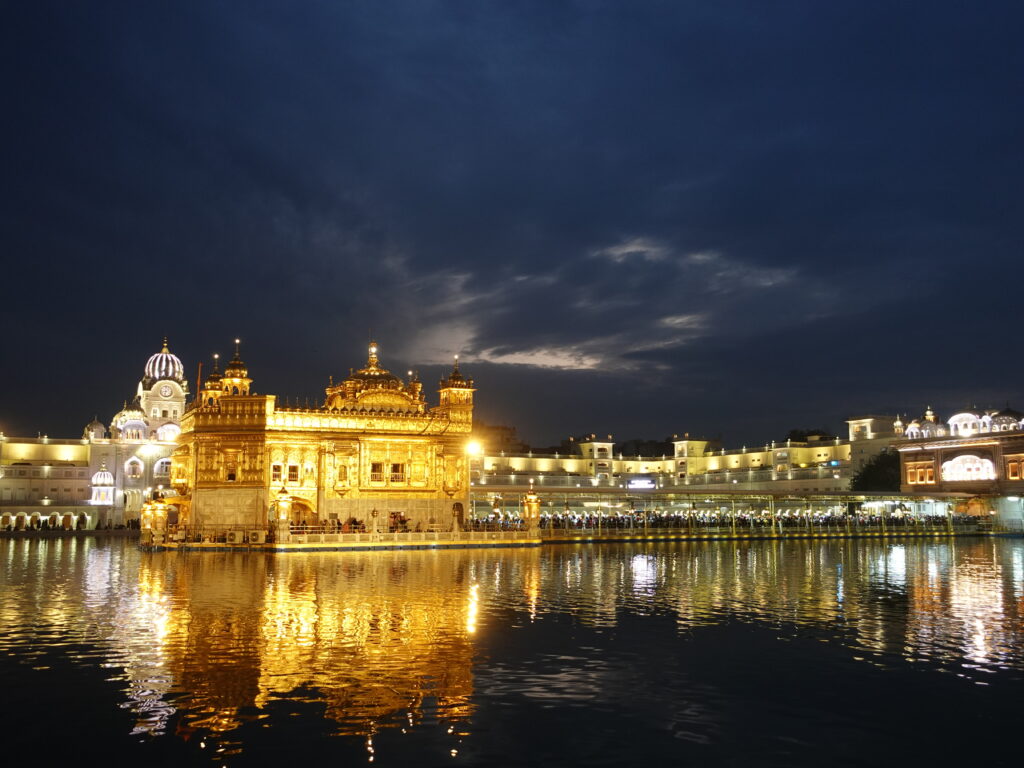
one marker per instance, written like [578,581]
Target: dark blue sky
[727,218]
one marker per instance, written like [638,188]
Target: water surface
[862,652]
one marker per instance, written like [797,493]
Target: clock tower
[162,394]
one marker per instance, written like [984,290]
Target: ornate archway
[302,513]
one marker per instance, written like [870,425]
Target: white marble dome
[103,477]
[164,365]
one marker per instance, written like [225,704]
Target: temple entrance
[303,515]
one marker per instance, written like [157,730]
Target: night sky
[645,218]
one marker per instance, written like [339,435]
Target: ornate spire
[213,380]
[455,378]
[165,350]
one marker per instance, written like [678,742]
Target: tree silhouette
[881,473]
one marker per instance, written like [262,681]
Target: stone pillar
[282,527]
[282,531]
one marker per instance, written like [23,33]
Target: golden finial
[165,350]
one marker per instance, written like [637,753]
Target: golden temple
[373,454]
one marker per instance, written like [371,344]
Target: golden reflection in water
[369,636]
[390,639]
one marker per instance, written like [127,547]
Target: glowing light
[473,448]
[967,468]
[474,607]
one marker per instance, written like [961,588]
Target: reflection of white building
[101,478]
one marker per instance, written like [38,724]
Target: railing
[745,531]
[712,522]
[513,529]
[409,537]
[327,534]
[663,480]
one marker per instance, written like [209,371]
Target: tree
[881,473]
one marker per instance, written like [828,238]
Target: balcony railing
[720,477]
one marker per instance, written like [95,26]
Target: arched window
[967,468]
[162,467]
[133,468]
[168,433]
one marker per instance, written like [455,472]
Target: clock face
[165,391]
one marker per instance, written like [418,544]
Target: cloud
[724,275]
[565,358]
[637,248]
[599,309]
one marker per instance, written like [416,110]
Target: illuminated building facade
[102,477]
[813,465]
[979,452]
[374,453]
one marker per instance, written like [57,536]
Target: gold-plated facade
[373,454]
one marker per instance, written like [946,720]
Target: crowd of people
[79,523]
[703,519]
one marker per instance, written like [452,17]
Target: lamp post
[532,504]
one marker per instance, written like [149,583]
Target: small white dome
[129,414]
[164,365]
[103,477]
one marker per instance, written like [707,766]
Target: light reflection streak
[474,607]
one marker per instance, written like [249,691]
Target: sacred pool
[883,651]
